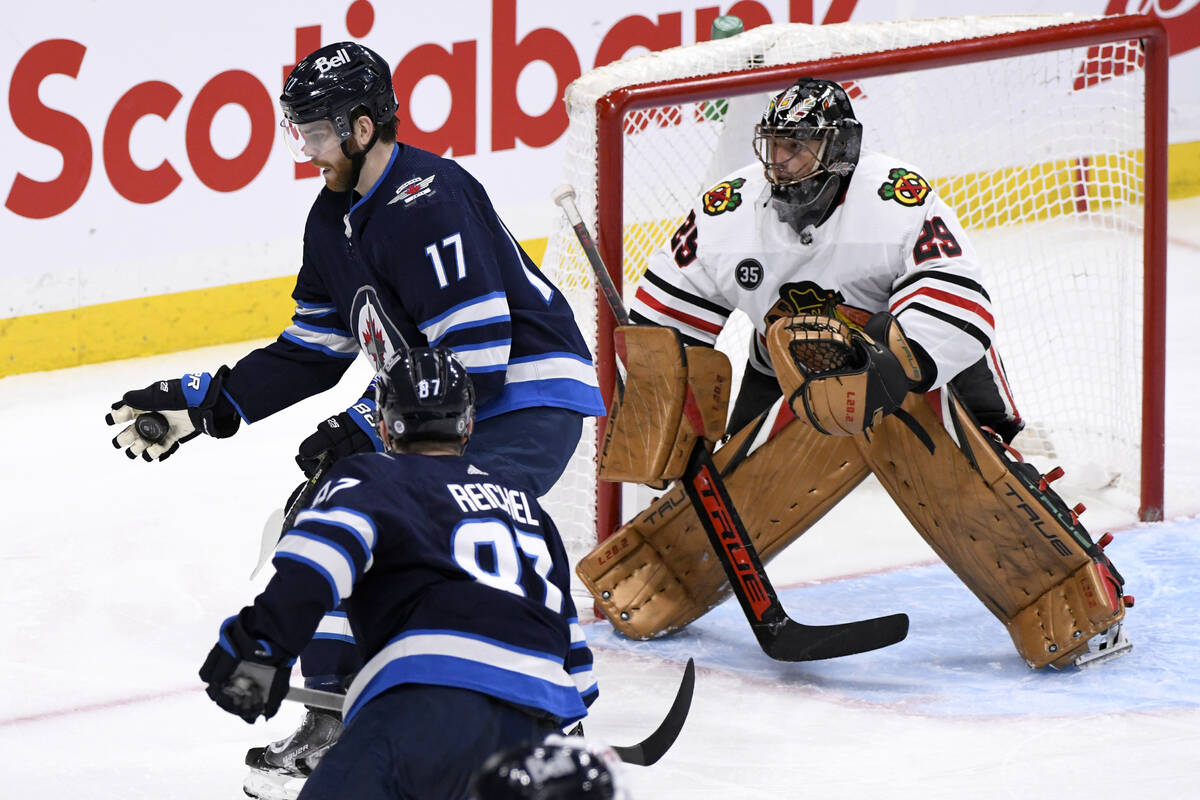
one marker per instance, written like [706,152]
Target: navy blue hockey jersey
[423,259]
[449,576]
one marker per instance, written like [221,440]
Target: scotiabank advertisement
[141,146]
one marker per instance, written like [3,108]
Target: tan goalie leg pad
[1026,563]
[1072,612]
[658,573]
[672,396]
[643,421]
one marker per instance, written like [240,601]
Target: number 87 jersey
[890,244]
[448,576]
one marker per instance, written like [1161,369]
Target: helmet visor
[787,159]
[309,140]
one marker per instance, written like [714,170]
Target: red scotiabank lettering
[457,65]
[67,135]
[731,541]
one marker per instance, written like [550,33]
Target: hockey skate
[279,770]
[1105,646]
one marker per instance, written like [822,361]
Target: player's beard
[338,171]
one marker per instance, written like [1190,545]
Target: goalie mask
[324,94]
[808,142]
[559,768]
[425,395]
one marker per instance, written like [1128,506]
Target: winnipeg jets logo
[412,189]
[376,334]
[374,340]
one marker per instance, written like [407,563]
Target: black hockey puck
[151,426]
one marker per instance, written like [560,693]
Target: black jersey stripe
[947,277]
[687,297]
[950,319]
[641,319]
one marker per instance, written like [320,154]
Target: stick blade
[270,537]
[655,746]
[792,641]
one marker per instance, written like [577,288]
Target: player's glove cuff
[197,402]
[351,431]
[246,676]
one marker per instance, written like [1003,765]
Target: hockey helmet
[558,768]
[808,142]
[425,394]
[323,92]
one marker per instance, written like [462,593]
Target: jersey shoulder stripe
[331,344]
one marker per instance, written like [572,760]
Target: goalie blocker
[993,520]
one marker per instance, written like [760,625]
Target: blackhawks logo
[905,187]
[806,297]
[723,197]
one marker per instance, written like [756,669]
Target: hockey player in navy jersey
[402,248]
[456,585]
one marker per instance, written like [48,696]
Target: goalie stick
[642,754]
[779,636]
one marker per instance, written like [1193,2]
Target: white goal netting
[1041,154]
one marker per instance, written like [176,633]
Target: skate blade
[1106,650]
[272,785]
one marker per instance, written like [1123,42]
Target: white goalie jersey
[892,244]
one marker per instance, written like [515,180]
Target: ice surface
[116,573]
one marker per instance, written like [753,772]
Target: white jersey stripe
[333,561]
[358,524]
[322,340]
[542,667]
[488,357]
[488,307]
[551,366]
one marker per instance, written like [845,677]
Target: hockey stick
[642,754]
[779,636]
[281,521]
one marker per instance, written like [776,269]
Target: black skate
[279,770]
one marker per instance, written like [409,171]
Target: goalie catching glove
[842,381]
[191,404]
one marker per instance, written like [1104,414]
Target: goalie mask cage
[1047,135]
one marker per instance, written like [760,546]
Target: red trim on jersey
[686,319]
[784,416]
[947,297]
[998,370]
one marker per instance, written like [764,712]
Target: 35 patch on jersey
[905,187]
[723,197]
[806,297]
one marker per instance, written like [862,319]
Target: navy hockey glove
[246,676]
[190,404]
[352,431]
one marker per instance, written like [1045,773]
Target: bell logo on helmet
[324,64]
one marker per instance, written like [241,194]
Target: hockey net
[1045,133]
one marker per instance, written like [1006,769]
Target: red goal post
[1090,192]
